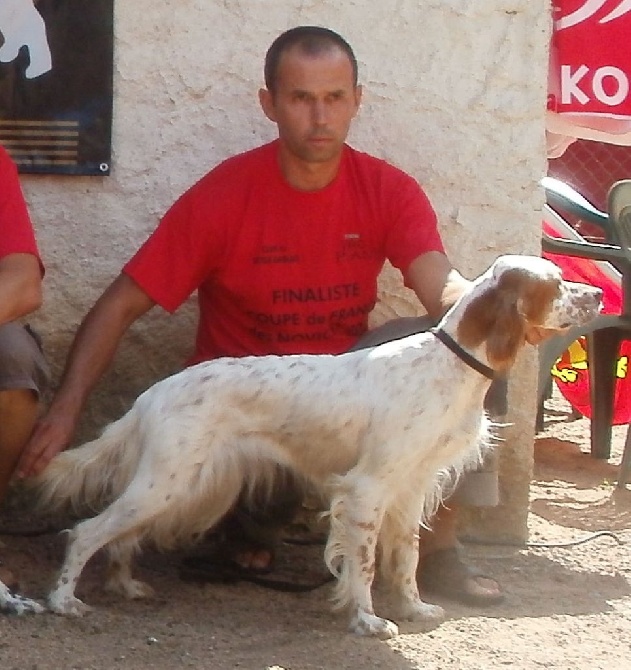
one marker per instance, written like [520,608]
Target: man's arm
[20,286]
[92,352]
[436,283]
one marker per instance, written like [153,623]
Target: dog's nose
[591,298]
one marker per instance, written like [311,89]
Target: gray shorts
[22,362]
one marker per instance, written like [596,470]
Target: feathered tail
[86,479]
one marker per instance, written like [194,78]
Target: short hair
[312,40]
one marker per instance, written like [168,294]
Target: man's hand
[91,354]
[52,434]
[436,283]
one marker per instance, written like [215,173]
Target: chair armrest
[563,198]
[597,252]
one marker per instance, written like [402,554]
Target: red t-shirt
[280,270]
[16,230]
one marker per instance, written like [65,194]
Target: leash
[463,355]
[196,569]
[549,545]
[575,543]
[200,570]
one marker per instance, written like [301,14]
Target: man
[23,371]
[284,245]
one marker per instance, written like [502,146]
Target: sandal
[220,567]
[197,569]
[231,556]
[443,573]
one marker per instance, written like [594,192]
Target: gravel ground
[566,607]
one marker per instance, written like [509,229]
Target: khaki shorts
[22,362]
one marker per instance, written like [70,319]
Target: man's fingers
[47,440]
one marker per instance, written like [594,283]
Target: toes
[370,625]
[254,559]
[68,606]
[427,615]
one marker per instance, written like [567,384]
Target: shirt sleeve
[181,253]
[16,229]
[414,229]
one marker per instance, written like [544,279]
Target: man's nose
[319,112]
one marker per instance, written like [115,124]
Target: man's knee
[479,487]
[22,363]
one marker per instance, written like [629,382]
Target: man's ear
[358,97]
[266,100]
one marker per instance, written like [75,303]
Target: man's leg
[441,569]
[23,375]
[252,530]
[18,413]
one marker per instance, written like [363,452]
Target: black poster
[56,64]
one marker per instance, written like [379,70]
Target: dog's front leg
[399,542]
[350,555]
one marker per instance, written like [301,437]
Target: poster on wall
[56,66]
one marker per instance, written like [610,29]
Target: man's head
[312,96]
[311,41]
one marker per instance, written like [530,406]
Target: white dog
[377,429]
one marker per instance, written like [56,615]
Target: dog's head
[523,299]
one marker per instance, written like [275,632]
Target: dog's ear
[535,304]
[496,318]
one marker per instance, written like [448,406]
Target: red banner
[590,63]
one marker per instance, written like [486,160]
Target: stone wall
[454,93]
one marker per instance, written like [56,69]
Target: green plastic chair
[605,333]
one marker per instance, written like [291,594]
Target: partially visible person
[23,370]
[284,245]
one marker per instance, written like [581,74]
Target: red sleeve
[414,229]
[16,230]
[182,251]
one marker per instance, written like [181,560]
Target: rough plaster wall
[454,93]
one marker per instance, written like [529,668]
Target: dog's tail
[85,479]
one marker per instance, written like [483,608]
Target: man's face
[313,104]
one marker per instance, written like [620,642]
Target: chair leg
[625,464]
[603,346]
[539,419]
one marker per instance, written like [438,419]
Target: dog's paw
[428,615]
[370,625]
[67,605]
[12,603]
[132,589]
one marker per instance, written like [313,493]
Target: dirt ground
[566,607]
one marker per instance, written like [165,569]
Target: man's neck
[305,176]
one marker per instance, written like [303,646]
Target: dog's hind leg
[127,516]
[121,553]
[399,553]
